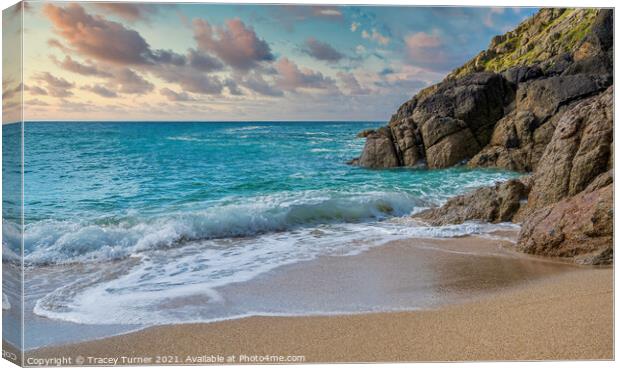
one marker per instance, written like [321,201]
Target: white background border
[483,3]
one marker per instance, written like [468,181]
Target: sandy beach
[562,312]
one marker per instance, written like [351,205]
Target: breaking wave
[67,241]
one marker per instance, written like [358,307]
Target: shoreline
[558,307]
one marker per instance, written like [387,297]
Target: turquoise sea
[143,215]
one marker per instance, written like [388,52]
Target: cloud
[130,11]
[97,37]
[427,50]
[56,87]
[375,36]
[175,96]
[330,12]
[52,42]
[76,67]
[100,90]
[35,90]
[386,71]
[36,102]
[422,40]
[104,40]
[305,12]
[488,18]
[128,81]
[321,50]
[351,83]
[166,57]
[288,16]
[190,80]
[291,77]
[256,82]
[234,43]
[112,43]
[203,62]
[355,26]
[8,91]
[80,107]
[412,86]
[406,79]
[233,88]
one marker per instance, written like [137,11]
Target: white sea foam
[186,138]
[181,284]
[246,128]
[322,150]
[65,241]
[5,302]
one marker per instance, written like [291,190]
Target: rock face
[445,127]
[579,151]
[502,113]
[544,93]
[579,227]
[379,150]
[540,101]
[490,204]
[566,206]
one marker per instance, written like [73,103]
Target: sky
[209,62]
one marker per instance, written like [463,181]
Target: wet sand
[483,303]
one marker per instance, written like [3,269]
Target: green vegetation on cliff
[549,33]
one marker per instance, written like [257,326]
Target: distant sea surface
[145,217]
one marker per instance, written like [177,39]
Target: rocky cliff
[539,101]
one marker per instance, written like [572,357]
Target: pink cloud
[130,11]
[426,49]
[234,43]
[97,37]
[291,77]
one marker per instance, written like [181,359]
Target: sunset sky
[132,61]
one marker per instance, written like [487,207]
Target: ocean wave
[247,128]
[68,241]
[184,284]
[11,242]
[323,150]
[186,138]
